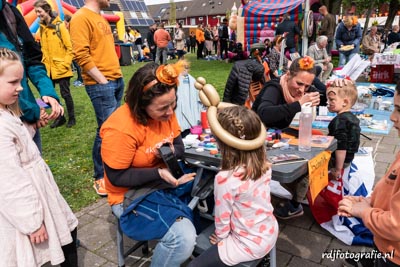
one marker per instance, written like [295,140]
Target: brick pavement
[301,241]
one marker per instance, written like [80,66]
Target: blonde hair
[348,21]
[346,91]
[244,124]
[7,56]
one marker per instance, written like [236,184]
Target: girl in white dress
[36,223]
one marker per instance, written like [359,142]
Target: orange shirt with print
[127,143]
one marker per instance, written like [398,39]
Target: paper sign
[318,173]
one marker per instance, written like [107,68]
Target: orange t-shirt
[127,143]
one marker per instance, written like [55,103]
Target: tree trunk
[369,11]
[393,8]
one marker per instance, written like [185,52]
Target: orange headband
[167,74]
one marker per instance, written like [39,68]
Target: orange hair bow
[168,74]
[306,63]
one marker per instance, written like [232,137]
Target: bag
[150,215]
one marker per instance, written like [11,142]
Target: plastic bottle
[305,125]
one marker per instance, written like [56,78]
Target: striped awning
[264,13]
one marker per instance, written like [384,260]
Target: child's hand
[213,239]
[335,174]
[39,236]
[353,206]
[43,120]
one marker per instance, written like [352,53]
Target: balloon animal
[210,98]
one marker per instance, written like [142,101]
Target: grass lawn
[68,150]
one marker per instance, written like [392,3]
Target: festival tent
[262,14]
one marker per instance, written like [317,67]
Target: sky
[156,2]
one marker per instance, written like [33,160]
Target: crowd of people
[38,223]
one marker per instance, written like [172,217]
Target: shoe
[287,211]
[71,122]
[100,187]
[58,122]
[77,83]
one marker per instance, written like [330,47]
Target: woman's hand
[167,176]
[39,236]
[312,97]
[56,109]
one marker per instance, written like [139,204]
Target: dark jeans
[71,252]
[223,47]
[210,257]
[65,93]
[78,71]
[106,98]
[153,54]
[200,48]
[329,48]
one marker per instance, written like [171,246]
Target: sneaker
[78,83]
[100,187]
[287,211]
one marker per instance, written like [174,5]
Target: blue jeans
[161,51]
[105,99]
[343,59]
[175,247]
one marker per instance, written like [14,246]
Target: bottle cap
[306,108]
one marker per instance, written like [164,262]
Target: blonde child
[345,127]
[36,224]
[245,227]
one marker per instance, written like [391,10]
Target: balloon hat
[210,98]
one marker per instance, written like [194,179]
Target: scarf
[286,93]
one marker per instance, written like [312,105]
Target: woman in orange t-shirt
[131,137]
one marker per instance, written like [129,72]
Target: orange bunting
[306,63]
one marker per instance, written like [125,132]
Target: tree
[393,8]
[172,12]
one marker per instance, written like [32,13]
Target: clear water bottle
[305,126]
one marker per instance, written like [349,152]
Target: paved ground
[301,241]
